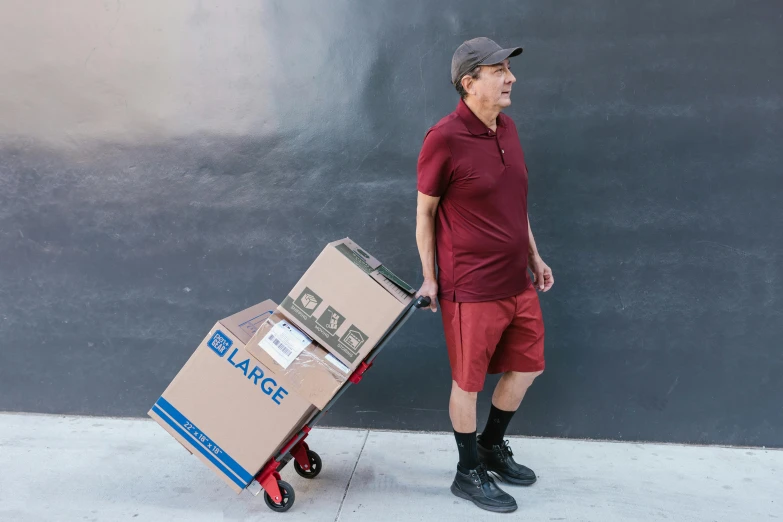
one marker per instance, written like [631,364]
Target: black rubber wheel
[288,497]
[315,466]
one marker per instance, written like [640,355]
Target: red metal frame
[289,446]
[358,373]
[269,475]
[268,478]
[299,452]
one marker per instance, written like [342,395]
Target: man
[472,217]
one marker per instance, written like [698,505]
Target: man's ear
[467,83]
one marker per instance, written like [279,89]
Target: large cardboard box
[227,408]
[347,301]
[310,371]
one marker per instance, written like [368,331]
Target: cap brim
[503,54]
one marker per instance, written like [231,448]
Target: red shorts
[493,337]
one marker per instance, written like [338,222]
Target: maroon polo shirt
[481,227]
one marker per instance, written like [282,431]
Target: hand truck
[278,494]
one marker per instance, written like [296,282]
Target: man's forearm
[532,249]
[425,239]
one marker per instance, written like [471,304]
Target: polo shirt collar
[474,125]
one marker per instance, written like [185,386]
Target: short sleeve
[434,167]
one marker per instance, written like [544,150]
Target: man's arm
[542,274]
[426,209]
[532,249]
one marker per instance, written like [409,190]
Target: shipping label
[284,342]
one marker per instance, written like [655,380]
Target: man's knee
[524,378]
[458,392]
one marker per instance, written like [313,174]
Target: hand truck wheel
[315,466]
[288,497]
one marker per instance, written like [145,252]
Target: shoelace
[505,449]
[482,474]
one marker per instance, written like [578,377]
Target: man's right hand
[430,289]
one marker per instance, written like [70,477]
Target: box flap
[245,323]
[394,278]
[357,255]
[371,266]
[401,290]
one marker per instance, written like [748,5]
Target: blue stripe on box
[201,441]
[204,452]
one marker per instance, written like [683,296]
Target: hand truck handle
[422,302]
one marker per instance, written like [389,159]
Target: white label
[284,343]
[340,366]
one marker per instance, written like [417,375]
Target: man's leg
[462,410]
[520,358]
[493,451]
[470,347]
[472,482]
[506,399]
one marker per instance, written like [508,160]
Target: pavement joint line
[350,479]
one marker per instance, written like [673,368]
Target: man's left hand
[542,274]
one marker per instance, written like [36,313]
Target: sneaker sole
[495,509]
[514,481]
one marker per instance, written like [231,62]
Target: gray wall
[164,164]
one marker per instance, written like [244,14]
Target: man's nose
[511,78]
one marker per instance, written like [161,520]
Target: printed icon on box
[308,301]
[331,320]
[354,338]
[219,343]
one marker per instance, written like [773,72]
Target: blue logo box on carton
[219,343]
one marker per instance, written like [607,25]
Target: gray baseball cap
[475,52]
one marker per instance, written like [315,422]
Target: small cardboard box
[225,407]
[310,371]
[347,301]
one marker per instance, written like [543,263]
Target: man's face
[493,86]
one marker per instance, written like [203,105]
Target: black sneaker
[499,460]
[478,487]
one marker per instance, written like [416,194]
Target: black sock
[468,450]
[496,426]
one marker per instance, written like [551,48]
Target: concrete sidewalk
[102,469]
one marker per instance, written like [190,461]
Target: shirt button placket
[502,151]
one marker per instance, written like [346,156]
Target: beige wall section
[137,70]
[123,70]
